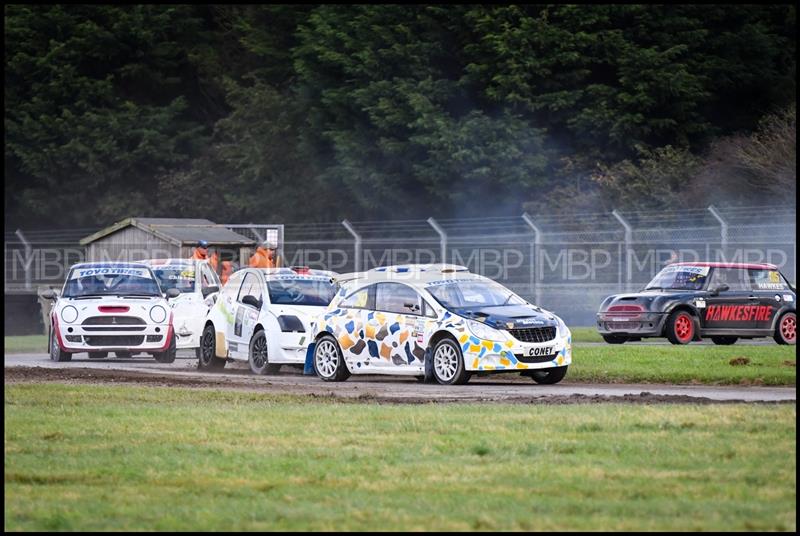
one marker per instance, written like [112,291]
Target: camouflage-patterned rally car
[689,300]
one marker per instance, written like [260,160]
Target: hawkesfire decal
[738,313]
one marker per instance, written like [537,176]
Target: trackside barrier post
[723,227]
[537,240]
[442,238]
[28,258]
[356,245]
[628,240]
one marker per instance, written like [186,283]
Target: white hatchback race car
[263,316]
[111,307]
[198,285]
[436,322]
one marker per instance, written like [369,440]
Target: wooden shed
[135,239]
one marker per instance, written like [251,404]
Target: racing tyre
[56,353]
[548,376]
[615,339]
[124,355]
[97,355]
[448,363]
[207,356]
[724,341]
[680,327]
[786,331]
[328,361]
[259,358]
[167,356]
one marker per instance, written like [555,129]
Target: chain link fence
[566,263]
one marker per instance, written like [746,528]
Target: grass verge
[25,344]
[87,458]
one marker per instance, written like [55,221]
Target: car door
[398,307]
[356,327]
[772,292]
[732,309]
[246,314]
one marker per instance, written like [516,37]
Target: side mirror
[173,293]
[719,288]
[252,300]
[210,290]
[49,294]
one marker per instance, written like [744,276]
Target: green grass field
[25,344]
[89,458]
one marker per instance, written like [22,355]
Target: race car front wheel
[328,360]
[259,357]
[56,353]
[680,327]
[167,356]
[786,331]
[448,363]
[548,376]
[207,356]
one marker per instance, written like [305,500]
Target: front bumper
[290,347]
[484,355]
[639,324]
[75,338]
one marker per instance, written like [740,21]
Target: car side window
[397,298]
[767,280]
[735,278]
[430,312]
[250,286]
[360,299]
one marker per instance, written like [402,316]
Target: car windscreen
[469,293]
[110,281]
[679,278]
[291,291]
[179,276]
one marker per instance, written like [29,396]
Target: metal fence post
[28,259]
[723,227]
[442,238]
[537,241]
[628,240]
[357,245]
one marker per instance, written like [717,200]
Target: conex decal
[738,313]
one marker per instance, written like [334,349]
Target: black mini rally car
[689,300]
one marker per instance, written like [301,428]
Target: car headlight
[69,314]
[482,331]
[290,323]
[158,314]
[562,327]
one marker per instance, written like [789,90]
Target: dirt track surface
[25,368]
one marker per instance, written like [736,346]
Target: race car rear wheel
[207,357]
[680,327]
[259,355]
[724,340]
[328,360]
[97,355]
[548,376]
[56,353]
[448,363]
[615,339]
[786,331]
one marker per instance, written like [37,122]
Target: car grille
[622,325]
[534,334]
[112,320]
[113,340]
[535,359]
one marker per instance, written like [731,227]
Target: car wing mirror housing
[210,290]
[49,294]
[719,288]
[173,293]
[252,300]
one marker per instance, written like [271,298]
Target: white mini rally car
[198,285]
[263,316]
[111,307]
[436,322]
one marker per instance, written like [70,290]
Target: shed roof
[178,231]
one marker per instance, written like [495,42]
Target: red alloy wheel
[684,327]
[789,328]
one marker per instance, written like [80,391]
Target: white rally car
[263,316]
[437,322]
[198,285]
[111,307]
